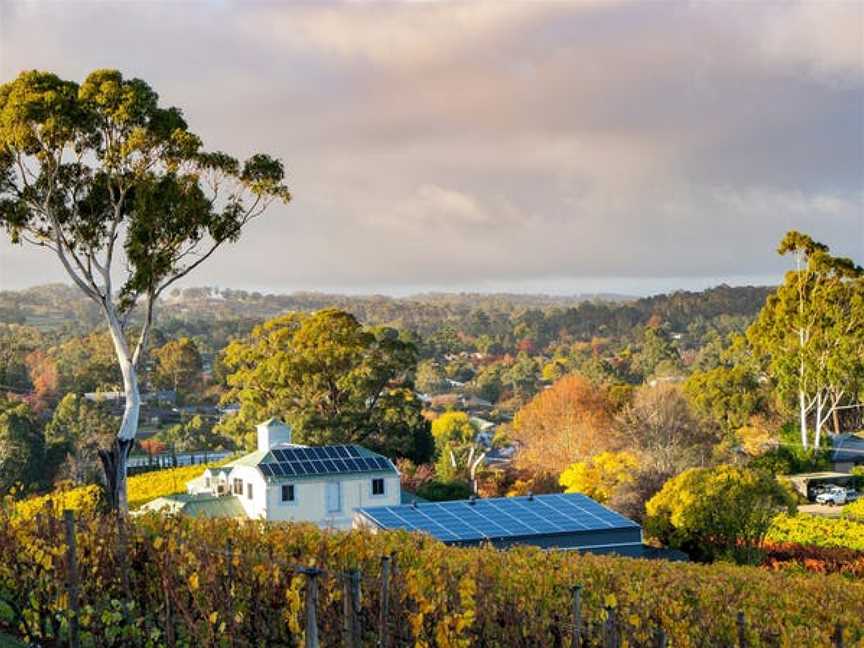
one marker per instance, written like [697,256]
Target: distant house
[847,452]
[283,481]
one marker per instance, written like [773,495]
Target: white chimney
[271,433]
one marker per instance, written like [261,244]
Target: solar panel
[505,518]
[322,460]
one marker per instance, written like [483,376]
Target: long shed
[562,521]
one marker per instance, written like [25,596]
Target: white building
[283,481]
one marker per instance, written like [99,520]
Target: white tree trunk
[802,405]
[817,433]
[131,410]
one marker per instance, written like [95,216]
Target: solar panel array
[323,460]
[501,518]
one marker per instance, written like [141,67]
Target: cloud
[450,143]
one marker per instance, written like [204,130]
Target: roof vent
[530,496]
[414,503]
[472,499]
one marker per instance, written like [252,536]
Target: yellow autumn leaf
[214,617]
[193,581]
[610,601]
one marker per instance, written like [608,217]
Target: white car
[832,496]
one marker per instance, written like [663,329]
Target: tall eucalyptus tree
[125,196]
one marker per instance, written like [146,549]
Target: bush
[439,596]
[854,511]
[442,491]
[721,512]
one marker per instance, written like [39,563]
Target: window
[206,482]
[288,492]
[238,486]
[249,491]
[378,486]
[334,503]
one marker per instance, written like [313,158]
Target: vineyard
[183,582]
[810,530]
[142,489]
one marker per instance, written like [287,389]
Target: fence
[157,600]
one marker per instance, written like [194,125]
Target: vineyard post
[610,631]
[351,609]
[169,619]
[838,636]
[576,615]
[229,585]
[72,579]
[384,619]
[312,574]
[742,630]
[123,559]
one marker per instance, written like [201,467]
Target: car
[852,495]
[832,497]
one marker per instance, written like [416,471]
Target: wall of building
[311,499]
[256,507]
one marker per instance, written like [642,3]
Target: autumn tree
[178,366]
[721,512]
[661,428]
[564,424]
[332,379]
[602,476]
[118,187]
[810,333]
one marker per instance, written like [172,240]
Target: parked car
[851,495]
[832,497]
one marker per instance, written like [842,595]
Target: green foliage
[74,435]
[722,512]
[436,490]
[454,435]
[178,366]
[332,380]
[810,333]
[727,396]
[22,446]
[602,476]
[430,378]
[194,434]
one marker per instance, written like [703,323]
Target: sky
[559,147]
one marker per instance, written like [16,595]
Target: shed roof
[210,506]
[568,520]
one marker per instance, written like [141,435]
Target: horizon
[603,146]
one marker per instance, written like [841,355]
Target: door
[334,503]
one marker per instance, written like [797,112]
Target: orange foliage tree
[569,422]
